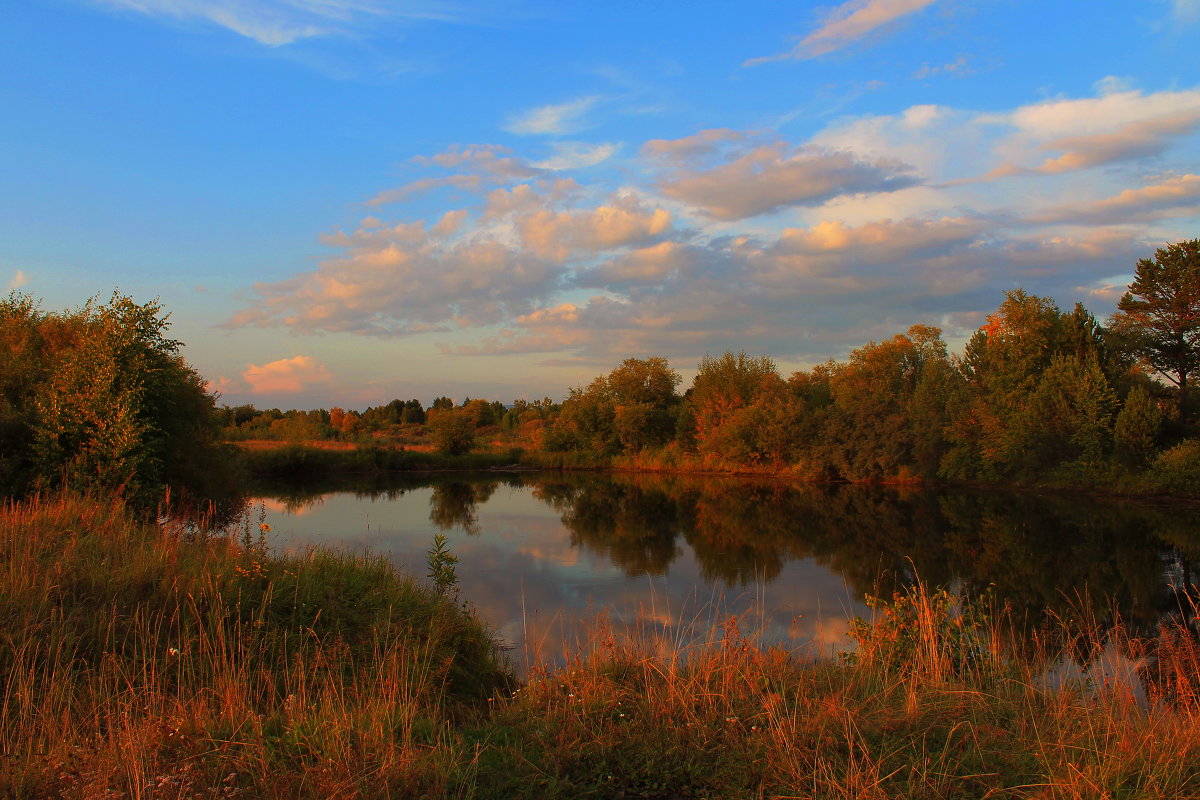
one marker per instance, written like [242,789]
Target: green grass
[148,661]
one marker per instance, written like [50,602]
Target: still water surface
[544,556]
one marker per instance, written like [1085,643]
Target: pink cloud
[286,375]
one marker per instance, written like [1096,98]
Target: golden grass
[143,661]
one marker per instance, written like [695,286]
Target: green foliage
[452,431]
[100,399]
[918,631]
[888,407]
[1160,314]
[441,565]
[1135,432]
[1177,471]
[629,410]
[723,388]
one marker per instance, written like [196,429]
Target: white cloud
[577,155]
[552,120]
[849,23]
[286,375]
[1187,11]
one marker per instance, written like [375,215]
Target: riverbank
[1177,477]
[156,661]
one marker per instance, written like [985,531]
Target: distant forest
[1038,396]
[99,398]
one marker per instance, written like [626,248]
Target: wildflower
[264,527]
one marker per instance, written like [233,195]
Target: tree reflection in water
[1064,554]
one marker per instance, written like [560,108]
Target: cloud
[1114,127]
[1140,139]
[418,187]
[730,238]
[619,223]
[275,22]
[285,376]
[1175,196]
[18,280]
[406,279]
[958,68]
[577,155]
[849,23]
[693,148]
[490,159]
[477,165]
[808,294]
[651,266]
[774,175]
[1186,11]
[552,120]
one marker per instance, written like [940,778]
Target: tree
[1160,314]
[452,431]
[724,385]
[100,399]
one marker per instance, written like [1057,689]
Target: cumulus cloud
[18,280]
[1175,196]
[1138,139]
[621,222]
[399,287]
[759,178]
[849,23]
[552,120]
[870,230]
[1088,132]
[651,266]
[286,375]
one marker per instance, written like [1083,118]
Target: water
[553,561]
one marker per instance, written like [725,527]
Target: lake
[552,560]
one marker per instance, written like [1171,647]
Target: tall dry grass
[141,661]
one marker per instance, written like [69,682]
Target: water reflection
[542,551]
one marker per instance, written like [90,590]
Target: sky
[343,202]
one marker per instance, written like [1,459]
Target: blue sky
[347,201]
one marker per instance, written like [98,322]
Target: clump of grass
[140,661]
[933,704]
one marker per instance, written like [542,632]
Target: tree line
[100,398]
[1039,394]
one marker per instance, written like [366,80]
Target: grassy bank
[306,461]
[144,661]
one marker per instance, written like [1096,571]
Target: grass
[146,661]
[150,661]
[306,461]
